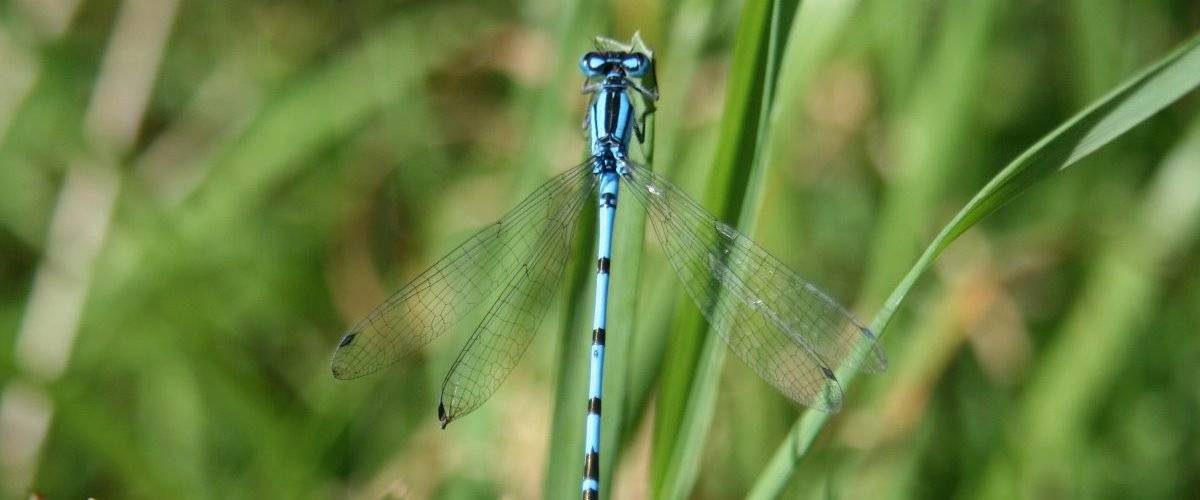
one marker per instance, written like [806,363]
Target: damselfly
[502,279]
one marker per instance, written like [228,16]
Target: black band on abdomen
[591,466]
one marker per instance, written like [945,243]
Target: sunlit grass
[294,162]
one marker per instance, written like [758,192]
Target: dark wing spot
[347,339]
[442,416]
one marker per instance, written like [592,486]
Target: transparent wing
[454,289]
[788,331]
[521,301]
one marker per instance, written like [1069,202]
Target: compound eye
[592,63]
[635,65]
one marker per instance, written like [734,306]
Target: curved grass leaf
[1129,104]
[1124,287]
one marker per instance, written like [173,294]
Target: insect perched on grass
[789,332]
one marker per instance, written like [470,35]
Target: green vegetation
[196,198]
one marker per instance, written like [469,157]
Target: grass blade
[1109,117]
[564,463]
[1124,287]
[628,242]
[691,373]
[678,64]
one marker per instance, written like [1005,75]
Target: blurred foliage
[196,198]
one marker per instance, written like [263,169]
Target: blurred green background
[197,197]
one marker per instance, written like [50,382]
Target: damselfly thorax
[612,79]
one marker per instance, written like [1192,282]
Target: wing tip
[339,372]
[832,395]
[880,364]
[444,418]
[827,397]
[876,360]
[338,365]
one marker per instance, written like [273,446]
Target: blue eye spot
[592,64]
[635,65]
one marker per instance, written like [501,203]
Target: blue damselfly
[502,279]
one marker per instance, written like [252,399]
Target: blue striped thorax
[612,78]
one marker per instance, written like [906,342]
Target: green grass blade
[323,106]
[564,464]
[1123,288]
[319,108]
[931,136]
[620,368]
[657,298]
[759,414]
[689,385]
[1111,116]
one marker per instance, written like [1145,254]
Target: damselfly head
[631,64]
